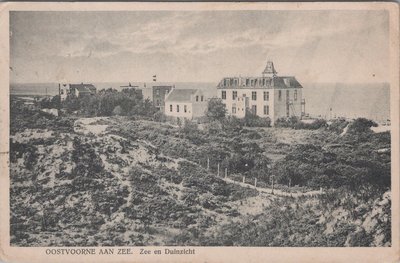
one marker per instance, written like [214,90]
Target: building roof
[162,86]
[286,82]
[268,80]
[276,82]
[83,88]
[181,95]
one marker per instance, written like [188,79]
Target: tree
[216,109]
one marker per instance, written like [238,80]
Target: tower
[269,70]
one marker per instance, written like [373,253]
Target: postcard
[199,132]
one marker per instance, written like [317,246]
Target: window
[254,109]
[234,95]
[158,92]
[233,110]
[158,102]
[197,98]
[170,107]
[247,82]
[266,95]
[280,95]
[202,98]
[177,108]
[223,95]
[295,95]
[184,108]
[266,110]
[287,94]
[254,95]
[62,91]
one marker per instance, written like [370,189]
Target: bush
[361,125]
[338,125]
[295,123]
[159,117]
[252,120]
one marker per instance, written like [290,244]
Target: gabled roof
[181,95]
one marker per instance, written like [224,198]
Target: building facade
[267,96]
[77,90]
[185,104]
[157,94]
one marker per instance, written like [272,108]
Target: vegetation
[216,109]
[145,182]
[22,118]
[128,102]
[295,123]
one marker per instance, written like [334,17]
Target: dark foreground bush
[295,123]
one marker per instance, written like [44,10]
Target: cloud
[195,44]
[99,48]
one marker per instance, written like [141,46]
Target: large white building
[269,95]
[185,104]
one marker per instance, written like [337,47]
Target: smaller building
[77,90]
[185,104]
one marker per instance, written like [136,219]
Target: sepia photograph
[200,128]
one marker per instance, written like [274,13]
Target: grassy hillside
[120,181]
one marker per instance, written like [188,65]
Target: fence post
[208,163]
[218,170]
[272,184]
[226,172]
[255,182]
[244,178]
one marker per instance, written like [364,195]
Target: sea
[324,100]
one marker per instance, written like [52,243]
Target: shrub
[361,125]
[338,125]
[295,123]
[159,117]
[252,120]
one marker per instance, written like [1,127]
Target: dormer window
[287,82]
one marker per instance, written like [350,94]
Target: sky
[198,46]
